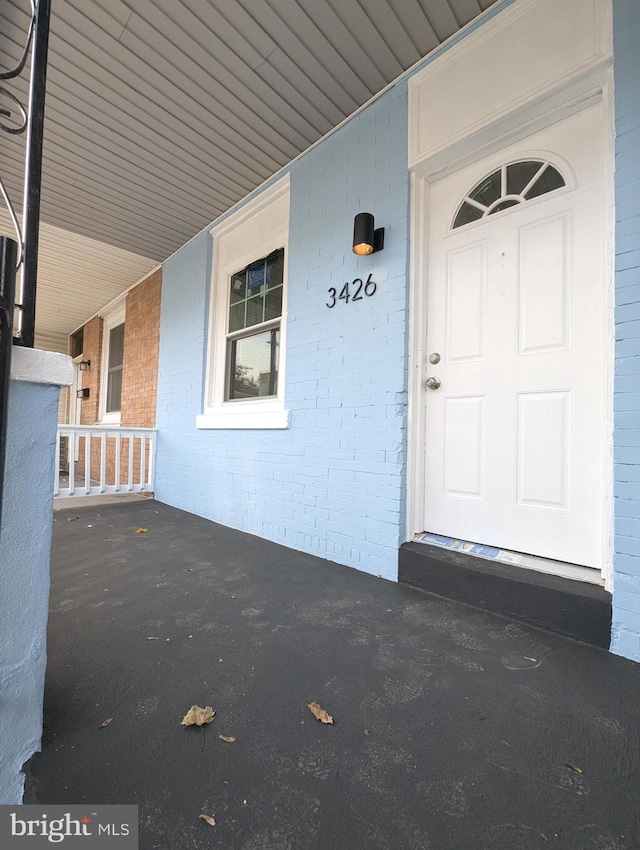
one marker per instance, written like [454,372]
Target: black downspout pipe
[8,262]
[33,173]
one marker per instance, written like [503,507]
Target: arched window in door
[507,187]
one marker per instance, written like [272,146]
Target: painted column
[626,587]
[25,542]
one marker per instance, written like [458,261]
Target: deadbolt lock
[434,358]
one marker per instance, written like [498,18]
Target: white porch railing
[103,460]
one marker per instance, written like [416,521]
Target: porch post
[33,174]
[8,261]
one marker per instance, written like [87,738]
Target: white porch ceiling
[161,114]
[77,276]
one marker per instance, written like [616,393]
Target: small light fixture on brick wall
[366,239]
[84,365]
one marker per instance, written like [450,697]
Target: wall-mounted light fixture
[83,393]
[84,365]
[366,239]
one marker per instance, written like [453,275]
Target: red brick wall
[139,375]
[92,350]
[141,345]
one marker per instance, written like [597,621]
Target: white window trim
[258,228]
[111,320]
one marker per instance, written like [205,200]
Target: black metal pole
[33,173]
[8,261]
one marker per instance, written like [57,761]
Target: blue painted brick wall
[333,484]
[625,638]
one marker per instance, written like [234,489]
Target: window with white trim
[112,366]
[245,364]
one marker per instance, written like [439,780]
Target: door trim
[75,385]
[418,282]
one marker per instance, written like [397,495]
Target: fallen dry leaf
[105,722]
[529,658]
[211,821]
[319,713]
[197,716]
[228,738]
[153,638]
[543,836]
[72,518]
[141,530]
[366,731]
[573,767]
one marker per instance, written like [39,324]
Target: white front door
[516,431]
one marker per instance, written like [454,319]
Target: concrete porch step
[576,609]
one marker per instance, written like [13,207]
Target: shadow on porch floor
[454,728]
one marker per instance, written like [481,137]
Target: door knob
[433,383]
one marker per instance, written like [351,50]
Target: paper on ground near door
[470,548]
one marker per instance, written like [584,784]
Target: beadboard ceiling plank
[441,17]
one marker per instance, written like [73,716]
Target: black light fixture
[366,239]
[84,365]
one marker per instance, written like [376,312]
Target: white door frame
[594,87]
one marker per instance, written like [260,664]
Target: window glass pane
[256,277]
[275,268]
[236,316]
[504,205]
[273,304]
[238,286]
[466,214]
[519,174]
[116,346]
[256,294]
[489,190]
[549,180]
[253,365]
[255,311]
[114,390]
[248,288]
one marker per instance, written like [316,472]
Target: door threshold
[576,572]
[577,609]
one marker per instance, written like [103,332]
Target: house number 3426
[359,287]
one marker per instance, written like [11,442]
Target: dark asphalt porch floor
[454,729]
